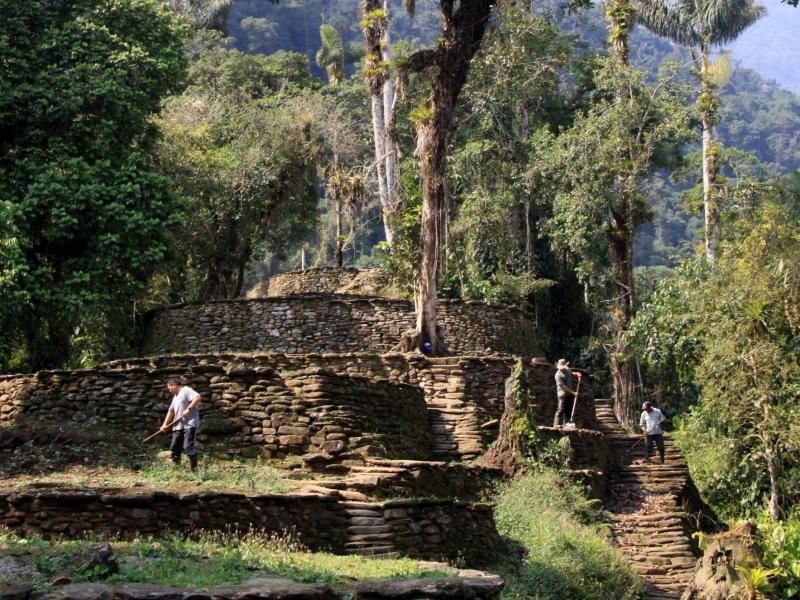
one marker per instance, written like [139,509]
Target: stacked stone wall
[287,404]
[464,394]
[420,529]
[327,323]
[587,449]
[248,409]
[425,529]
[326,280]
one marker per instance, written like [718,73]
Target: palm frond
[721,21]
[330,37]
[666,19]
[691,22]
[331,53]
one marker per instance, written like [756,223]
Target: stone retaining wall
[443,529]
[588,449]
[464,394]
[476,585]
[328,323]
[249,410]
[326,280]
[464,398]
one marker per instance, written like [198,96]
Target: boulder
[18,591]
[483,588]
[272,588]
[75,591]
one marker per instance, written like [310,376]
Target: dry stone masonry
[393,406]
[327,280]
[330,323]
[650,506]
[249,410]
[433,529]
[303,367]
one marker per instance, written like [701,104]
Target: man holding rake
[185,420]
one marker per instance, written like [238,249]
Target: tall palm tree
[378,61]
[331,55]
[700,25]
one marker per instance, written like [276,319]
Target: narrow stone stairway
[646,506]
[453,422]
[368,534]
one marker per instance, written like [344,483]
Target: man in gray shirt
[185,419]
[650,422]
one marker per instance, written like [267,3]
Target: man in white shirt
[185,419]
[650,422]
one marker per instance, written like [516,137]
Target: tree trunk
[623,304]
[339,239]
[774,488]
[381,91]
[510,448]
[390,146]
[431,148]
[379,137]
[621,236]
[620,16]
[462,32]
[710,152]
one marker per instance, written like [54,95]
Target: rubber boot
[176,458]
[662,459]
[193,462]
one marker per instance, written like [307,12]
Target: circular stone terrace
[309,323]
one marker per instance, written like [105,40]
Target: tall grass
[569,554]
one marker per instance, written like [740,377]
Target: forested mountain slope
[758,116]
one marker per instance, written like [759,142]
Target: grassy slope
[568,553]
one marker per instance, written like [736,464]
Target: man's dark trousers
[183,441]
[658,440]
[564,409]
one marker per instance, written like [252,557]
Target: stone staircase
[647,509]
[454,433]
[368,532]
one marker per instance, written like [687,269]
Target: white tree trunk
[774,485]
[389,141]
[710,191]
[379,137]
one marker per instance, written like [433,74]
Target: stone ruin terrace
[360,432]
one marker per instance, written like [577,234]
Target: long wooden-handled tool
[571,423]
[634,444]
[150,437]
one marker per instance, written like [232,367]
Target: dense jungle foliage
[158,152]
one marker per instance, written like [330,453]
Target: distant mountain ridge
[768,47]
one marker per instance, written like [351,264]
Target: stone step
[650,525]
